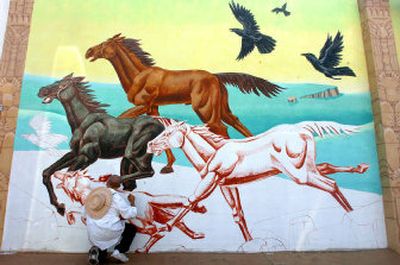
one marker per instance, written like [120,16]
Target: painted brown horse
[149,87]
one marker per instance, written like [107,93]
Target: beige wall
[11,71]
[384,79]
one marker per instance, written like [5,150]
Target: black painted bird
[282,9]
[329,58]
[250,34]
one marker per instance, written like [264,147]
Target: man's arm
[83,215]
[125,209]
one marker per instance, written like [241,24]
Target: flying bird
[250,33]
[42,136]
[329,58]
[282,9]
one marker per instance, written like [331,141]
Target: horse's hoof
[200,209]
[198,236]
[61,209]
[166,170]
[361,168]
[70,218]
[129,185]
[141,250]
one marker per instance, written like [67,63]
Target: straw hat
[98,202]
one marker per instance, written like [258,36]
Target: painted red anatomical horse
[149,87]
[153,210]
[225,163]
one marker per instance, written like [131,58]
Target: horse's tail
[249,84]
[322,128]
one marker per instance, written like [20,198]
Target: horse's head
[64,177]
[172,137]
[61,175]
[106,49]
[54,90]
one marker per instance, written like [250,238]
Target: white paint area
[4,4]
[280,214]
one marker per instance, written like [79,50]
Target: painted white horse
[287,149]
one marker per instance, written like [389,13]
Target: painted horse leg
[171,160]
[63,162]
[132,161]
[232,197]
[129,180]
[326,168]
[229,118]
[161,216]
[81,162]
[189,232]
[154,238]
[170,157]
[327,184]
[133,112]
[125,166]
[137,159]
[206,186]
[306,175]
[88,154]
[205,102]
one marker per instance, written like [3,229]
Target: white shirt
[106,231]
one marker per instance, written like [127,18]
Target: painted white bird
[42,136]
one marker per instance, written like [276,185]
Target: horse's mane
[87,98]
[164,121]
[214,139]
[134,46]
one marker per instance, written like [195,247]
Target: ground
[371,257]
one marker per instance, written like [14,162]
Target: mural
[329,58]
[153,209]
[96,134]
[149,87]
[290,147]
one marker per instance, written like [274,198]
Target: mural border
[384,83]
[12,65]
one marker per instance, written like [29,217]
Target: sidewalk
[373,257]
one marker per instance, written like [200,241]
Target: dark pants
[102,256]
[123,246]
[127,238]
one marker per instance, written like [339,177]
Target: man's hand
[131,199]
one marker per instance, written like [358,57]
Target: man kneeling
[106,211]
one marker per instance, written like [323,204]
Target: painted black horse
[96,134]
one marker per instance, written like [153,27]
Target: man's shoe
[94,253]
[119,256]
